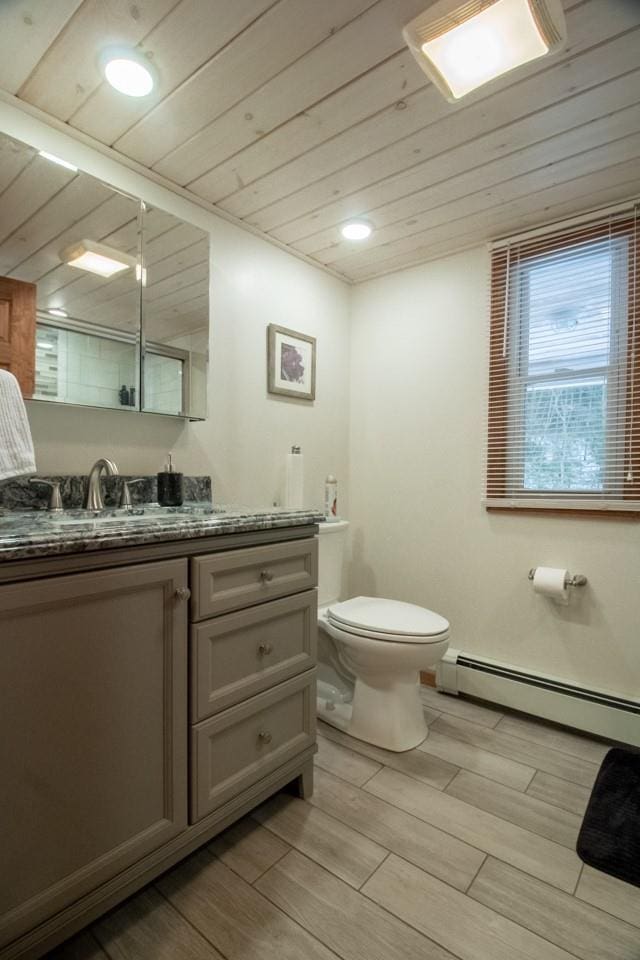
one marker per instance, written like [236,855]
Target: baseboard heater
[593,711]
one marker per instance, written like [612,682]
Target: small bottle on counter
[331,498]
[170,486]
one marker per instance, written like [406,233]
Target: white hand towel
[16,445]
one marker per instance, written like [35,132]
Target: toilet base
[388,714]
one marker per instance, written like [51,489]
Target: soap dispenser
[170,486]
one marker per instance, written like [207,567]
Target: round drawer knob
[264,736]
[266,576]
[264,649]
[182,593]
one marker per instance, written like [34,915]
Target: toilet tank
[331,549]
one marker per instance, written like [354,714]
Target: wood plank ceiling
[296,115]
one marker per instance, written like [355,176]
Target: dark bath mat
[609,838]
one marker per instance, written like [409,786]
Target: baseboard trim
[594,711]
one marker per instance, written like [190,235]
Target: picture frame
[291,363]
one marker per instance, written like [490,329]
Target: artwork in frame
[291,363]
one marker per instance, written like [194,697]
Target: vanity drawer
[229,581]
[235,656]
[236,748]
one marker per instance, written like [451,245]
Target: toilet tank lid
[392,617]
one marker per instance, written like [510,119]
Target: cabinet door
[93,687]
[18,331]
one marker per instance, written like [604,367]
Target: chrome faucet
[93,499]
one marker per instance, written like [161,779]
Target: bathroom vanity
[155,685]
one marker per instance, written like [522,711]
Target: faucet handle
[55,499]
[125,493]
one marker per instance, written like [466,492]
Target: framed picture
[291,363]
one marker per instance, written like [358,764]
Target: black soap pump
[170,492]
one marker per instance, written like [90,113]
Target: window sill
[609,509]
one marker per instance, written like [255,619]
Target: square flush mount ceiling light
[461,46]
[97,258]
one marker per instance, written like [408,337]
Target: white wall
[419,531]
[244,441]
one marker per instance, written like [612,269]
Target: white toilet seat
[383,645]
[395,640]
[391,621]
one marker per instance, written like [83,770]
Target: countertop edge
[65,543]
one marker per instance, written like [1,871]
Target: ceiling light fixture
[57,312]
[356,230]
[461,46]
[128,71]
[97,258]
[58,160]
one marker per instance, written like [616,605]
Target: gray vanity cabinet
[113,768]
[93,711]
[252,670]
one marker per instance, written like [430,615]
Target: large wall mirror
[104,300]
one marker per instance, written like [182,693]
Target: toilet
[370,653]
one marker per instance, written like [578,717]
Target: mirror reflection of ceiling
[45,208]
[175,296]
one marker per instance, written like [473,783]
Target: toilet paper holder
[578,580]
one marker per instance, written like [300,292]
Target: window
[564,369]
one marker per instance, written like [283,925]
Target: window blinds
[564,368]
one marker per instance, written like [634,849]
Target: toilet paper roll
[550,582]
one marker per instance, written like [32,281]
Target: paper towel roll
[294,483]
[551,582]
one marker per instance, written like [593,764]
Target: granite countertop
[30,533]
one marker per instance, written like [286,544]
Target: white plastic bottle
[294,489]
[331,498]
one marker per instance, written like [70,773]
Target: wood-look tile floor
[463,848]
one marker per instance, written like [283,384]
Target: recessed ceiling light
[97,258]
[57,312]
[128,72]
[356,230]
[44,346]
[59,160]
[461,46]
